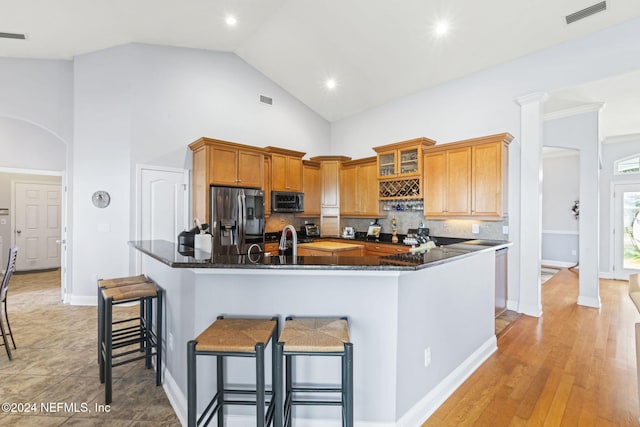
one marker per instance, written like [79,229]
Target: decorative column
[531,137]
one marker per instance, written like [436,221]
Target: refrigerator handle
[242,218]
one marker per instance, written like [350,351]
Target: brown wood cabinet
[217,162]
[401,159]
[330,193]
[382,249]
[267,186]
[447,176]
[271,247]
[467,179]
[359,188]
[311,188]
[286,169]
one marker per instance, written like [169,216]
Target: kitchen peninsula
[420,324]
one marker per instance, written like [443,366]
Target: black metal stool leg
[6,315]
[159,330]
[4,339]
[220,384]
[260,421]
[100,326]
[147,331]
[108,349]
[347,385]
[192,397]
[278,418]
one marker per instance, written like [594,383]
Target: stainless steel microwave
[282,201]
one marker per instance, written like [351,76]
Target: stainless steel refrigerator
[237,219]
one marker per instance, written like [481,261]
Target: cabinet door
[250,169]
[349,190]
[224,166]
[487,180]
[200,179]
[368,190]
[387,164]
[435,178]
[330,171]
[266,187]
[311,188]
[294,174]
[271,247]
[409,161]
[458,193]
[278,172]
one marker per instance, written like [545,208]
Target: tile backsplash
[491,230]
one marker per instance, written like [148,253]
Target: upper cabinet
[217,162]
[402,159]
[359,188]
[311,188]
[467,178]
[286,169]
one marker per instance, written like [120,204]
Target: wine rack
[400,189]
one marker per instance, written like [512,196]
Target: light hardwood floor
[574,366]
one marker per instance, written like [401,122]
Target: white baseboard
[589,301]
[607,275]
[422,410]
[415,416]
[512,305]
[531,310]
[81,300]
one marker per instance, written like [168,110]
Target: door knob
[62,242]
[18,231]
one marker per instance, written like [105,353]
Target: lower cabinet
[318,252]
[381,249]
[271,247]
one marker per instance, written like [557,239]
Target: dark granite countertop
[185,257]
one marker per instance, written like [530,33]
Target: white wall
[580,132]
[483,104]
[144,104]
[560,189]
[611,152]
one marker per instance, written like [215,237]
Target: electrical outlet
[170,341]
[427,357]
[505,229]
[475,228]
[574,252]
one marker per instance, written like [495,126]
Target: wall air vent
[266,100]
[587,11]
[12,36]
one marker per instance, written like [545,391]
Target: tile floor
[56,364]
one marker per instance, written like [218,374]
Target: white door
[37,225]
[626,230]
[163,203]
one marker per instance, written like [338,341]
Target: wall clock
[101,199]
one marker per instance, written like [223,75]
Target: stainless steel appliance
[310,231]
[283,201]
[237,219]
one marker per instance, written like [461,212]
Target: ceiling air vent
[266,100]
[587,11]
[12,36]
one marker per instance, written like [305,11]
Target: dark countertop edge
[386,267]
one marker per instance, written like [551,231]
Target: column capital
[529,98]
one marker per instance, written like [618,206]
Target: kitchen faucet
[294,239]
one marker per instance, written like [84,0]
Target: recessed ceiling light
[441,28]
[331,84]
[231,20]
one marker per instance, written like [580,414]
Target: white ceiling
[377,50]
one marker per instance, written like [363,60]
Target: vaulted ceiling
[375,50]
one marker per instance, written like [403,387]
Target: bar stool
[232,337]
[314,336]
[126,336]
[113,283]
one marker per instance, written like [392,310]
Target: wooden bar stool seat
[232,337]
[314,336]
[135,331]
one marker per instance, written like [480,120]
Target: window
[627,165]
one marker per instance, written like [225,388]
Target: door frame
[140,167]
[64,241]
[617,229]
